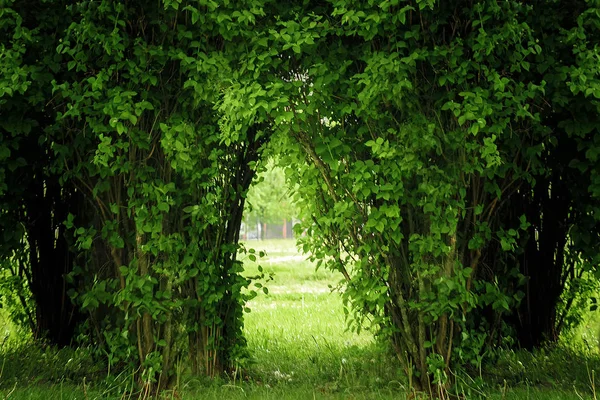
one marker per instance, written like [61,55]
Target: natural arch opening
[296,324]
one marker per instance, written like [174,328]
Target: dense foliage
[146,119]
[34,203]
[451,179]
[444,154]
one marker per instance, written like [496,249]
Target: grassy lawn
[298,336]
[300,350]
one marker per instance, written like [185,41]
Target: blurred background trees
[270,210]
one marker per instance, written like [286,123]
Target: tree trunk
[51,260]
[542,262]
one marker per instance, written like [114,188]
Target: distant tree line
[269,203]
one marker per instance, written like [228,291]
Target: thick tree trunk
[542,263]
[51,260]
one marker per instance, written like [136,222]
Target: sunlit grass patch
[291,271]
[297,333]
[272,247]
[220,390]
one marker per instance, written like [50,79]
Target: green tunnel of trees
[444,155]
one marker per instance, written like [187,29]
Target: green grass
[300,349]
[298,338]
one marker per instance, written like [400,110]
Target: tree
[148,137]
[269,200]
[36,251]
[438,168]
[160,111]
